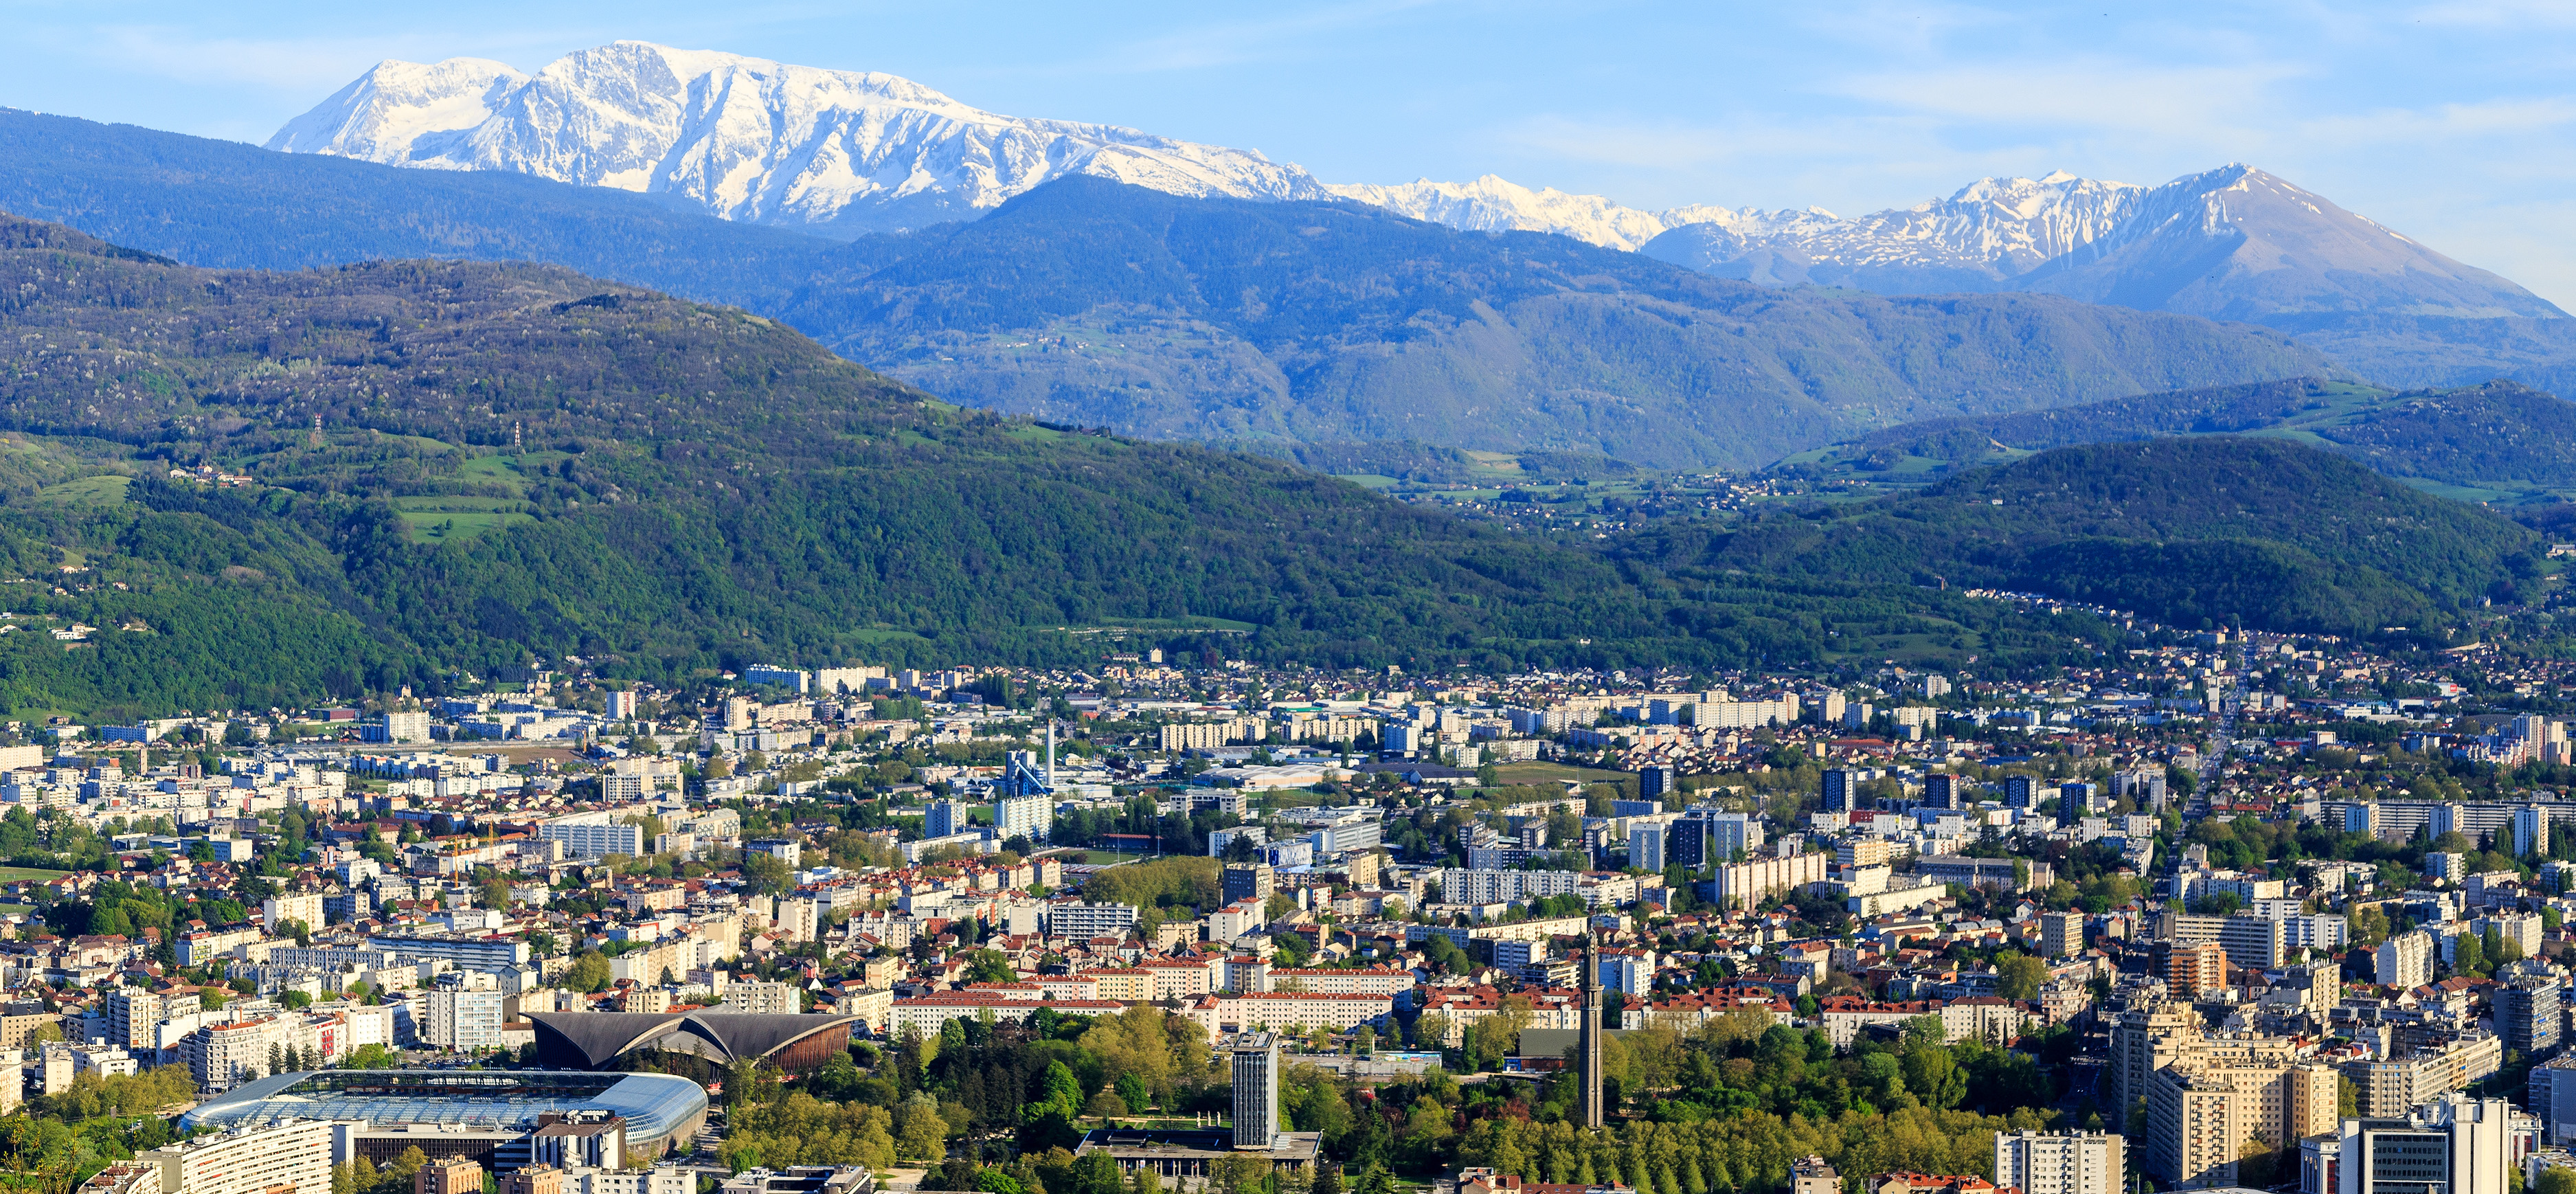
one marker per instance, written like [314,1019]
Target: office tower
[2018,791]
[2453,1145]
[1646,846]
[2553,1098]
[2073,801]
[1249,881]
[1838,791]
[2527,1015]
[1256,1091]
[1941,790]
[1656,783]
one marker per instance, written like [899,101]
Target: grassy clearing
[87,492]
[1551,773]
[12,874]
[436,527]
[512,468]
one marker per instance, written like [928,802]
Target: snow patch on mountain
[752,139]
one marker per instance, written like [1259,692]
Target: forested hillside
[1224,321]
[2228,529]
[2499,436]
[470,467]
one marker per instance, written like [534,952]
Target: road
[2222,737]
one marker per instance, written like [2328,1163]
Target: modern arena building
[605,1040]
[495,1118]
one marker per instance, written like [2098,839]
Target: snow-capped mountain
[2237,243]
[843,152]
[2017,221]
[1491,204]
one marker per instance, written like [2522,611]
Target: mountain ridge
[1581,350]
[836,152]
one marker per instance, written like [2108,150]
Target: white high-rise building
[763,999]
[2067,1163]
[2405,961]
[1085,921]
[594,840]
[1023,816]
[293,1157]
[463,1020]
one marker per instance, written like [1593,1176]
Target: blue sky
[2452,122]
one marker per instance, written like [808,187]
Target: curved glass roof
[654,1105]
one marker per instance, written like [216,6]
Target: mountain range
[834,152]
[1281,324]
[840,153]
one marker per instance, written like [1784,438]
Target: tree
[1063,1096]
[769,874]
[1932,1073]
[990,966]
[589,973]
[920,1133]
[1132,1092]
[2019,976]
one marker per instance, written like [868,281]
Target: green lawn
[1097,857]
[12,874]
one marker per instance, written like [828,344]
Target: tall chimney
[1591,1029]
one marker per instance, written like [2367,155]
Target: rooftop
[654,1105]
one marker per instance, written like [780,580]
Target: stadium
[637,1040]
[486,1116]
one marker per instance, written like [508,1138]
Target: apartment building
[288,1158]
[2201,1114]
[2061,1163]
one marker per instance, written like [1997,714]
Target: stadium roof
[593,1039]
[653,1105]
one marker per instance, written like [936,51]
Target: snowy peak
[2239,243]
[396,104]
[752,139]
[1491,204]
[2018,222]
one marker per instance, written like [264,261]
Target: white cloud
[2443,123]
[2104,96]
